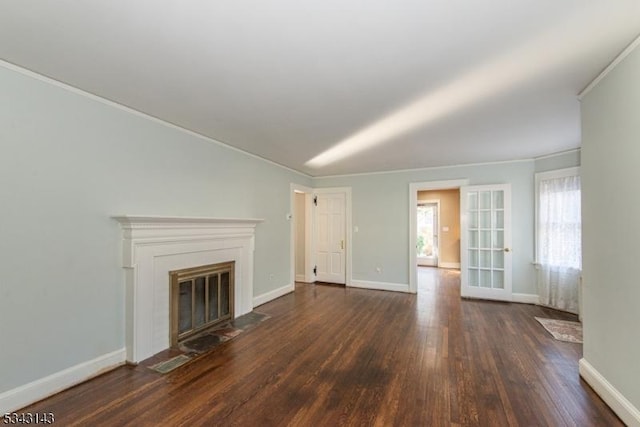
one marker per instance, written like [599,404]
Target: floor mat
[562,330]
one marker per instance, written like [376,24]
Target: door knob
[507,250]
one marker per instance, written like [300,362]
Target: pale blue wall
[67,164]
[559,161]
[611,227]
[381,212]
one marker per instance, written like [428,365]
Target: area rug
[562,330]
[207,341]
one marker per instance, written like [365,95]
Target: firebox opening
[200,298]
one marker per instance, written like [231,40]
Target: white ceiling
[336,86]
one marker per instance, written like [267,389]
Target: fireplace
[153,246]
[200,298]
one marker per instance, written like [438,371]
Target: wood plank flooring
[333,356]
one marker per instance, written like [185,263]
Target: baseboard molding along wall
[379,286]
[271,295]
[525,298]
[628,413]
[19,397]
[300,277]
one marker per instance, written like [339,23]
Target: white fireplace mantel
[153,246]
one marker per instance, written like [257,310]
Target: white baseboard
[271,295]
[302,278]
[380,286]
[17,398]
[525,298]
[628,413]
[455,265]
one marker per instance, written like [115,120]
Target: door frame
[310,231]
[347,226]
[414,187]
[437,203]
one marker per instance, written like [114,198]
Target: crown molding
[618,59]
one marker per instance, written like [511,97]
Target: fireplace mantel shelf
[150,220]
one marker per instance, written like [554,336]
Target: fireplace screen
[201,297]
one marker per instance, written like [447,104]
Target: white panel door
[485,241]
[330,237]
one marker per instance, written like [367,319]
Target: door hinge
[315,200]
[315,270]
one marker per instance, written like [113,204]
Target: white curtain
[559,249]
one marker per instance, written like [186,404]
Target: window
[559,219]
[559,238]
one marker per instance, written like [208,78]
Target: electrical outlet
[378,270]
[272,276]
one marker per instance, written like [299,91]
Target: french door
[485,241]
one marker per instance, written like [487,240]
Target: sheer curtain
[559,246]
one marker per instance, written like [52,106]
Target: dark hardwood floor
[342,356]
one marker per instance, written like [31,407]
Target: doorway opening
[427,238]
[301,234]
[434,237]
[320,224]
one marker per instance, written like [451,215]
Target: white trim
[414,187]
[454,265]
[379,286]
[348,226]
[308,258]
[525,298]
[138,113]
[558,153]
[557,173]
[158,222]
[308,238]
[624,409]
[271,295]
[301,278]
[618,59]
[34,391]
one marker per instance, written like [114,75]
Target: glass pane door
[486,268]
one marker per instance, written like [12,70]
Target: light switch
[445,228]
